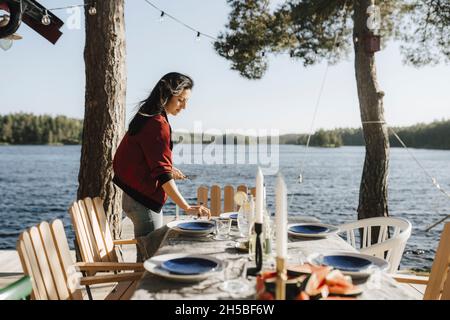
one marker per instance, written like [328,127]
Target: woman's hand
[177,174]
[198,211]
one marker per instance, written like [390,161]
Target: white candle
[281,217]
[259,197]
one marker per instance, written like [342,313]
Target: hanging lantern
[7,42]
[10,23]
[33,14]
[374,19]
[373,39]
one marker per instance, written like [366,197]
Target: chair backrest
[393,233]
[19,290]
[45,257]
[92,231]
[438,286]
[215,204]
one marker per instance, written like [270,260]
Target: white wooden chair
[393,234]
[215,198]
[438,283]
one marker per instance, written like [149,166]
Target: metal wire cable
[433,179]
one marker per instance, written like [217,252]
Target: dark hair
[171,84]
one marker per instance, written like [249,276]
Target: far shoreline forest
[30,129]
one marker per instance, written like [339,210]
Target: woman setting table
[143,166]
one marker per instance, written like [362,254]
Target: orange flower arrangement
[306,282]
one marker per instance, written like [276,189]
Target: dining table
[380,286]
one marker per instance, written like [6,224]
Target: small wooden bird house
[372,43]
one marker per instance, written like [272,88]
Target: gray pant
[144,220]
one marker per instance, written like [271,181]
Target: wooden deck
[11,270]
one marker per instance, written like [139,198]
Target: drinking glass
[243,222]
[222,228]
[235,276]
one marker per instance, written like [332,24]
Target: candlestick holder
[258,252]
[280,291]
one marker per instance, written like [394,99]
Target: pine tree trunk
[373,201]
[104,117]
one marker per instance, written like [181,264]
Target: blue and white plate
[196,225]
[229,215]
[192,227]
[354,264]
[346,262]
[311,230]
[164,265]
[189,265]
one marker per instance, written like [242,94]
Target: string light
[93,10]
[165,14]
[46,19]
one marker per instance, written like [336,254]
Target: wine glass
[235,273]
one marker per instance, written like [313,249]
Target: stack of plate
[192,227]
[311,230]
[183,267]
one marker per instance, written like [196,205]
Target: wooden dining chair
[214,195]
[45,257]
[438,283]
[94,236]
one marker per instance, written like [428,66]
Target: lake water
[40,182]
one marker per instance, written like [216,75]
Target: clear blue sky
[41,78]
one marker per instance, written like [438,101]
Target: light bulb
[198,36]
[46,19]
[6,44]
[231,52]
[4,20]
[161,17]
[92,11]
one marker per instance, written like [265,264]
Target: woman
[143,161]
